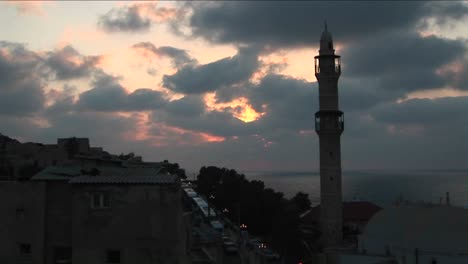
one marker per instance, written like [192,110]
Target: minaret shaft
[329,124]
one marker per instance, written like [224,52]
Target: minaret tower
[329,125]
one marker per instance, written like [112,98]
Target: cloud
[108,95]
[28,7]
[402,61]
[179,57]
[280,24]
[273,97]
[135,17]
[21,80]
[445,110]
[288,103]
[213,76]
[103,129]
[67,63]
[190,113]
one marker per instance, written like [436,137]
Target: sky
[232,84]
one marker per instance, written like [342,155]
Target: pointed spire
[326,41]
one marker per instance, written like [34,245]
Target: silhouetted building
[418,234]
[22,160]
[329,125]
[356,214]
[68,214]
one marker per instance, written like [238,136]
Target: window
[317,65]
[25,249]
[100,200]
[113,256]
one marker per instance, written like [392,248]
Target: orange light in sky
[166,134]
[239,107]
[297,63]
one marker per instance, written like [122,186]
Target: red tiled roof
[352,211]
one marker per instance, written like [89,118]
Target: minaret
[329,125]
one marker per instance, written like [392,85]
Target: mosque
[412,234]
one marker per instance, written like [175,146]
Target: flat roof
[108,175]
[118,179]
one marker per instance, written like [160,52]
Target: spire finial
[325,22]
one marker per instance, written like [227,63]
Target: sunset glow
[240,108]
[234,79]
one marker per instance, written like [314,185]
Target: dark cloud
[64,100]
[21,80]
[108,95]
[445,110]
[67,63]
[213,76]
[273,96]
[190,105]
[135,17]
[293,23]
[179,57]
[414,134]
[124,19]
[401,61]
[103,129]
[361,94]
[17,64]
[218,123]
[288,103]
[24,99]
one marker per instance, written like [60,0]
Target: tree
[173,168]
[301,200]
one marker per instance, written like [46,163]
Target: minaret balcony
[328,65]
[329,121]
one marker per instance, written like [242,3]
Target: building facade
[126,215]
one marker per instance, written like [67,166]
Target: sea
[380,187]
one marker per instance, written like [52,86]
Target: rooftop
[442,229]
[107,175]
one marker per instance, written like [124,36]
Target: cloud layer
[244,111]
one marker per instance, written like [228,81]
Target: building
[356,215]
[418,234]
[329,125]
[22,160]
[109,214]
